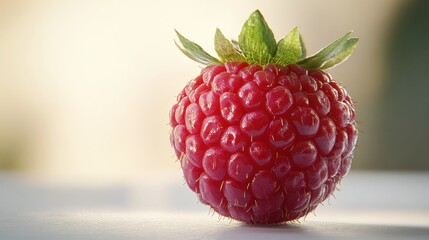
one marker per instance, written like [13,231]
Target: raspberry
[260,141]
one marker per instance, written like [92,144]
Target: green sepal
[303,48]
[195,51]
[334,54]
[225,49]
[235,43]
[256,40]
[289,48]
[256,45]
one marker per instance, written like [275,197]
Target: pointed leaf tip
[225,49]
[256,13]
[289,49]
[333,54]
[195,51]
[256,40]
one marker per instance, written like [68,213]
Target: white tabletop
[370,205]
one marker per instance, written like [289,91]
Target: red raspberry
[263,143]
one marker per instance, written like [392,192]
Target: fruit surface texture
[264,136]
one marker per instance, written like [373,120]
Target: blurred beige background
[86,86]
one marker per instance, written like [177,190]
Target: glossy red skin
[263,144]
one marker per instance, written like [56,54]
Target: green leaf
[256,40]
[235,43]
[288,49]
[225,49]
[195,51]
[303,48]
[334,54]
